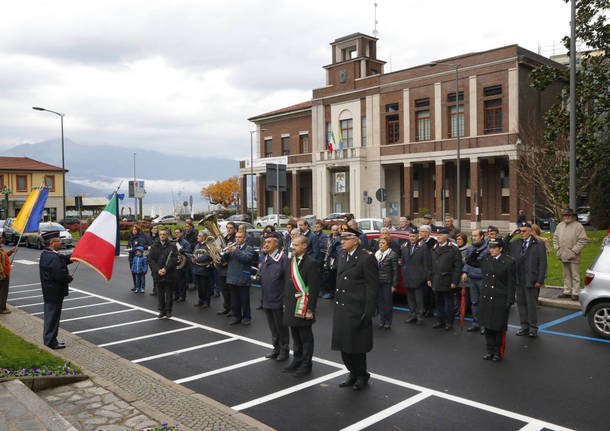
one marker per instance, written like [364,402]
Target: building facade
[18,175]
[398,131]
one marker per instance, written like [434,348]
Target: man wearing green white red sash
[300,297]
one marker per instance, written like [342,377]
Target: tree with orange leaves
[222,192]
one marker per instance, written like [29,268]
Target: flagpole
[21,234]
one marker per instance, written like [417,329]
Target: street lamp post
[457,119]
[63,174]
[252,132]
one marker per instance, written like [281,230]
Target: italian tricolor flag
[99,244]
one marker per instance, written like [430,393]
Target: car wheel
[599,319]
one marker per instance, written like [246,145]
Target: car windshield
[45,227]
[582,210]
[602,262]
[364,225]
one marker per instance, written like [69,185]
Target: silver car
[595,297]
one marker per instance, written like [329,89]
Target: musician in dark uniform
[202,270]
[184,248]
[415,274]
[54,279]
[355,304]
[300,298]
[162,259]
[221,273]
[497,295]
[445,268]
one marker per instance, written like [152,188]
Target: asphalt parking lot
[423,379]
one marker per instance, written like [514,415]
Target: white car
[368,225]
[271,219]
[167,219]
[583,214]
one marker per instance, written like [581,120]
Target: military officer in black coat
[497,295]
[415,274]
[300,297]
[445,268]
[54,279]
[355,303]
[163,258]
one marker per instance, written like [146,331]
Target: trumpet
[226,249]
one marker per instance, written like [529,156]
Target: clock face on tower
[342,76]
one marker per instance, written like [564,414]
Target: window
[50,214]
[49,181]
[451,96]
[393,128]
[347,133]
[493,116]
[304,143]
[505,184]
[364,131]
[393,107]
[304,197]
[456,119]
[423,125]
[22,183]
[285,145]
[268,148]
[492,91]
[420,103]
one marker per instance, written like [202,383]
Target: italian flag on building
[100,243]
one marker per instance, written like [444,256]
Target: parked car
[35,239]
[544,221]
[72,224]
[271,219]
[241,217]
[255,238]
[367,225]
[583,215]
[595,297]
[333,219]
[167,219]
[9,235]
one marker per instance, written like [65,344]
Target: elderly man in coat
[569,240]
[355,303]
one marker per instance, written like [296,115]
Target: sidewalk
[549,296]
[155,397]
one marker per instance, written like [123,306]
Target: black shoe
[564,295]
[361,382]
[168,315]
[411,319]
[223,312]
[488,356]
[347,382]
[302,371]
[532,333]
[229,314]
[448,327]
[419,322]
[438,325]
[272,355]
[160,315]
[180,299]
[473,328]
[282,356]
[260,307]
[205,306]
[216,294]
[482,331]
[153,293]
[57,346]
[246,322]
[380,326]
[133,290]
[521,332]
[198,305]
[496,358]
[234,322]
[293,366]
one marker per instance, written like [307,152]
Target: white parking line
[27,297]
[397,382]
[129,340]
[23,291]
[74,308]
[96,315]
[24,285]
[187,349]
[377,417]
[113,326]
[533,426]
[288,391]
[42,303]
[221,370]
[25,262]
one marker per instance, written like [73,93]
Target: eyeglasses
[523,230]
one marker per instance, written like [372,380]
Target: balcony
[448,144]
[346,153]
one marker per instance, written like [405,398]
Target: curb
[39,383]
[566,304]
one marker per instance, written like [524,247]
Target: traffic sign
[381,194]
[369,200]
[185,203]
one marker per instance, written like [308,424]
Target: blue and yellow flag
[30,213]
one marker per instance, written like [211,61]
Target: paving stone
[52,398]
[83,384]
[109,398]
[30,426]
[95,421]
[112,428]
[107,414]
[135,420]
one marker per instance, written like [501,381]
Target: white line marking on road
[288,391]
[25,262]
[113,326]
[187,349]
[220,370]
[397,382]
[26,297]
[95,315]
[23,291]
[533,426]
[379,416]
[42,303]
[129,340]
[74,308]
[23,285]
[123,255]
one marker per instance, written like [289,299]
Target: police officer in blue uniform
[54,278]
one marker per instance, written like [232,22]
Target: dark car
[9,235]
[241,217]
[73,223]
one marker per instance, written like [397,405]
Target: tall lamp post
[458,132]
[63,174]
[252,132]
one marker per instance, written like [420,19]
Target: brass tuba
[210,222]
[211,249]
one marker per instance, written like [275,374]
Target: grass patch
[18,358]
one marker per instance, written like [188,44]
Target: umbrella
[462,307]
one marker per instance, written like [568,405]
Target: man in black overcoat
[355,303]
[163,258]
[298,315]
[54,279]
[415,274]
[446,268]
[497,295]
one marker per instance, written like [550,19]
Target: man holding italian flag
[300,297]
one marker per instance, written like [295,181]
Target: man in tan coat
[569,240]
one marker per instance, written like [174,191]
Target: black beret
[496,242]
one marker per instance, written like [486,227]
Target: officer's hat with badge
[348,232]
[48,236]
[496,242]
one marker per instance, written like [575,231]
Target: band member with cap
[446,267]
[355,303]
[202,270]
[415,274]
[162,259]
[55,280]
[497,294]
[300,298]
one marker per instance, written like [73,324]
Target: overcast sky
[184,76]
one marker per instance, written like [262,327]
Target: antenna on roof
[375,32]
